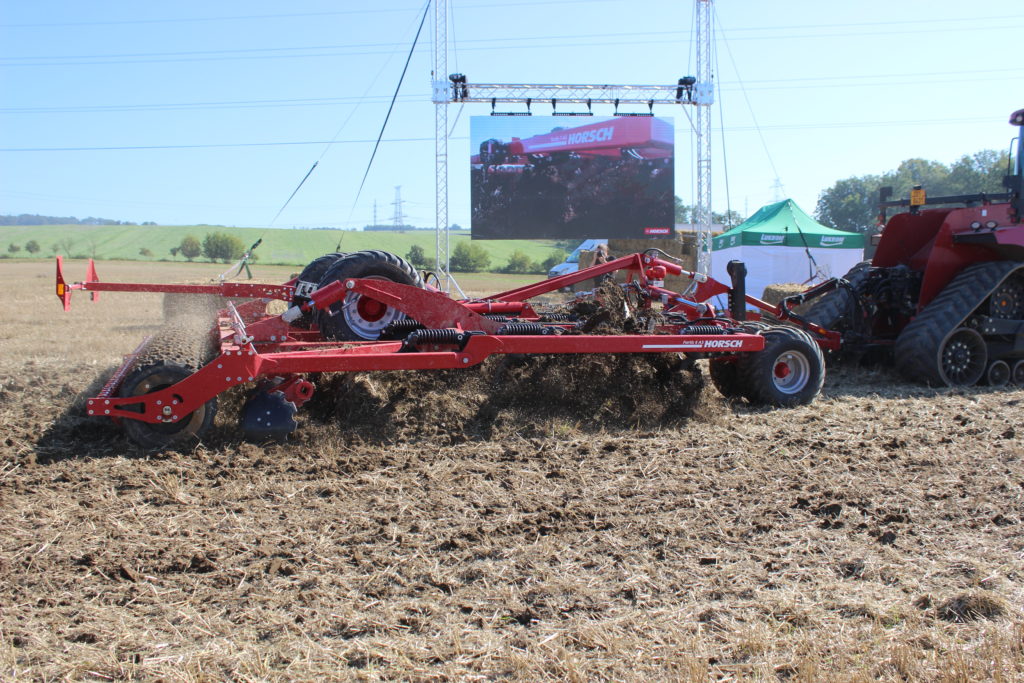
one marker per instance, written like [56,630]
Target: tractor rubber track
[917,348]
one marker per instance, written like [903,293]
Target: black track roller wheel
[1017,373]
[155,377]
[789,371]
[998,373]
[309,280]
[357,317]
[963,357]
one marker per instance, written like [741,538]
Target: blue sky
[213,112]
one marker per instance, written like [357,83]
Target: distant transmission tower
[778,190]
[399,217]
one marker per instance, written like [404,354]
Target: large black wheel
[789,371]
[309,281]
[357,317]
[963,357]
[156,377]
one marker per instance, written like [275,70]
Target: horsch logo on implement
[656,231]
[723,344]
[597,135]
[773,239]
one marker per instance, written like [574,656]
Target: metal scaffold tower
[697,91]
[704,96]
[440,99]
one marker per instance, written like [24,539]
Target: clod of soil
[972,607]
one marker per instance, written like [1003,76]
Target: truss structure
[697,91]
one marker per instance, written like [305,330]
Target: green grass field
[288,247]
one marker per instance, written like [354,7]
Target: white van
[572,262]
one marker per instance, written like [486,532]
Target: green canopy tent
[781,243]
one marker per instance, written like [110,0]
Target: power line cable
[750,107]
[335,137]
[521,43]
[794,126]
[774,85]
[112,148]
[380,135]
[721,125]
[172,20]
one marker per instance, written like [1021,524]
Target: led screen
[553,177]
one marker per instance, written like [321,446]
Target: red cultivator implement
[370,310]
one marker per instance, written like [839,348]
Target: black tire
[358,318]
[309,281]
[834,310]
[155,377]
[725,373]
[789,371]
[725,377]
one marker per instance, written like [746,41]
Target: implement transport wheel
[155,377]
[309,281]
[962,357]
[789,371]
[358,317]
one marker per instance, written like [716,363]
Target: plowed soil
[613,519]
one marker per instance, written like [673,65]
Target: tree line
[472,257]
[36,219]
[851,204]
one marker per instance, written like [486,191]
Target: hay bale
[773,294]
[683,246]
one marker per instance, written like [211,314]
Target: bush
[146,252]
[469,257]
[417,256]
[223,247]
[189,247]
[552,261]
[519,262]
[13,248]
[32,247]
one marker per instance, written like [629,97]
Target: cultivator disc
[268,416]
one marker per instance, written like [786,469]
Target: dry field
[471,528]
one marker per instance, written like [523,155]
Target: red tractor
[944,293]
